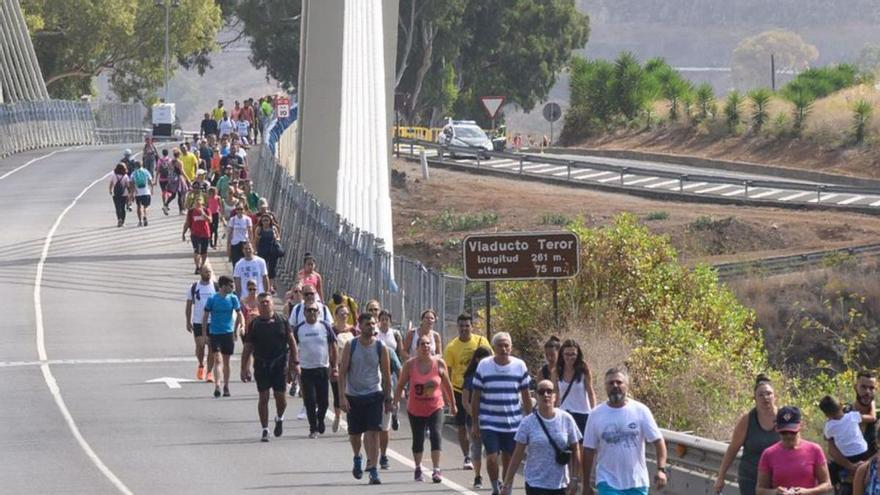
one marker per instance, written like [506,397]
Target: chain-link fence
[119,122]
[350,260]
[29,125]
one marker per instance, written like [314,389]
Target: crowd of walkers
[374,370]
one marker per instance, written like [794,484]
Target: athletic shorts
[200,244]
[460,413]
[197,329]
[223,343]
[606,489]
[495,441]
[580,420]
[533,490]
[143,200]
[274,377]
[365,413]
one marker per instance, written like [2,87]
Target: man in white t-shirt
[316,342]
[196,297]
[226,126]
[251,267]
[143,191]
[310,295]
[615,436]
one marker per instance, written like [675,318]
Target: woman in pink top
[429,385]
[214,208]
[792,466]
[309,276]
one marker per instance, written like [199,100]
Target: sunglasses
[312,310]
[308,293]
[252,288]
[297,292]
[545,391]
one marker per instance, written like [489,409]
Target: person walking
[223,311]
[309,275]
[792,466]
[214,207]
[426,327]
[150,155]
[753,433]
[239,235]
[551,357]
[268,243]
[865,388]
[552,438]
[615,438]
[866,480]
[467,389]
[316,342]
[429,385]
[457,356]
[198,223]
[250,267]
[574,382]
[196,297]
[499,400]
[343,335]
[365,379]
[309,295]
[393,341]
[120,191]
[177,185]
[142,184]
[270,341]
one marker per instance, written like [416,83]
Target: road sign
[492,104]
[552,112]
[171,382]
[521,256]
[282,107]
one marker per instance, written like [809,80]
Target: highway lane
[114,298]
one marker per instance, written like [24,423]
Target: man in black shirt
[269,339]
[209,125]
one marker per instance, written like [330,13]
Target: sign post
[492,104]
[552,112]
[521,256]
[282,107]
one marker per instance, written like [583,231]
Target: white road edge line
[20,364]
[47,155]
[406,461]
[54,389]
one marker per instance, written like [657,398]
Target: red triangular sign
[492,104]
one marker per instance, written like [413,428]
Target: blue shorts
[604,489]
[495,441]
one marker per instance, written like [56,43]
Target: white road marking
[639,181]
[851,200]
[54,389]
[17,364]
[503,163]
[735,192]
[47,155]
[171,382]
[876,203]
[662,184]
[530,167]
[565,172]
[713,189]
[592,176]
[406,461]
[695,184]
[553,168]
[765,193]
[616,177]
[795,196]
[825,197]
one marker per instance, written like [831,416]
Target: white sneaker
[302,413]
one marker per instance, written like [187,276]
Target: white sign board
[492,104]
[163,113]
[282,108]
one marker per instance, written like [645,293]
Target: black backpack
[119,187]
[194,292]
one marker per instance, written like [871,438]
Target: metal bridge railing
[30,125]
[350,259]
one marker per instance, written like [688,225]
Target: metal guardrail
[30,125]
[694,463]
[350,259]
[785,264]
[575,165]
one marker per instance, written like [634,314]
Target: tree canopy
[272,28]
[751,58]
[77,40]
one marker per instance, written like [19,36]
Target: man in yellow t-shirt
[217,113]
[458,355]
[190,162]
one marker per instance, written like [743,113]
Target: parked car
[465,134]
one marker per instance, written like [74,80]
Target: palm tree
[760,99]
[732,110]
[705,101]
[803,104]
[862,112]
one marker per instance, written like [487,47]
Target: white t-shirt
[241,229]
[500,389]
[199,294]
[247,270]
[298,314]
[243,126]
[226,127]
[618,434]
[576,401]
[846,434]
[313,342]
[541,469]
[141,191]
[388,338]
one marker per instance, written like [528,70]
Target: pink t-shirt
[794,468]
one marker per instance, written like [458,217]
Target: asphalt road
[94,312]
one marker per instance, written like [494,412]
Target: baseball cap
[788,418]
[127,152]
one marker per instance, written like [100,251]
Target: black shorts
[365,413]
[274,377]
[197,329]
[143,200]
[223,343]
[460,413]
[200,244]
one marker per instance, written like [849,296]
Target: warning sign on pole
[492,104]
[282,108]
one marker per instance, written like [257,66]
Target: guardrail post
[478,159]
[746,185]
[570,163]
[521,160]
[681,180]
[411,148]
[818,194]
[623,172]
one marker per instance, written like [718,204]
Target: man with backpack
[316,342]
[143,191]
[198,295]
[309,295]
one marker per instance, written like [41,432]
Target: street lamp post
[167,4]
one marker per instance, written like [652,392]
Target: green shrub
[657,215]
[862,111]
[702,223]
[555,219]
[705,95]
[732,114]
[451,221]
[821,82]
[760,99]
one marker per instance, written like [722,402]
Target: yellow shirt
[352,309]
[458,355]
[190,164]
[217,113]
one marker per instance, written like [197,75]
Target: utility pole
[167,4]
[773,72]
